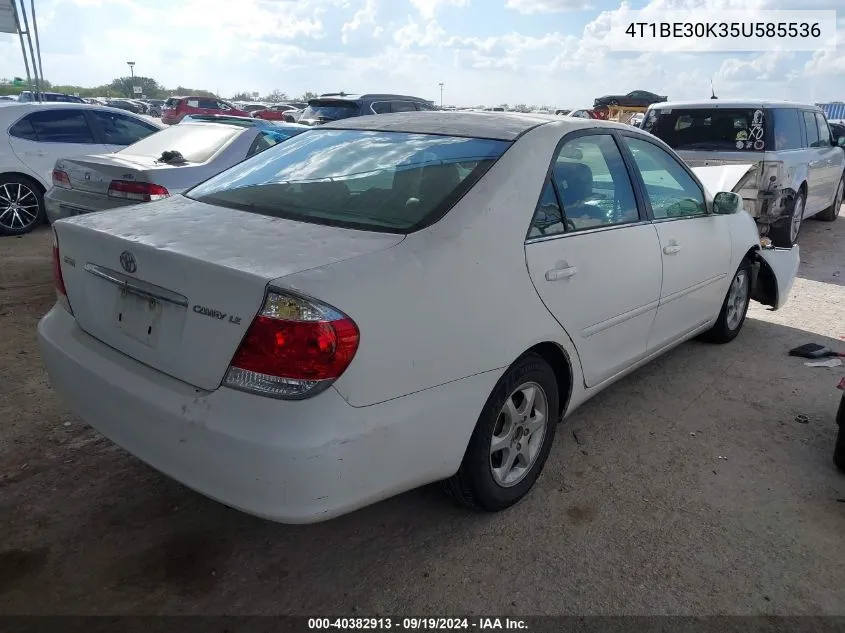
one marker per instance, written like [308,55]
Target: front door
[830,157]
[593,259]
[695,245]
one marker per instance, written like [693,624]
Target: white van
[797,170]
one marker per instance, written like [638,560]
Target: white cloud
[530,7]
[429,8]
[414,35]
[827,63]
[365,16]
[775,67]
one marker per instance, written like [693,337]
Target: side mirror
[840,141]
[727,203]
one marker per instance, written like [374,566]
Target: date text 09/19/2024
[417,624]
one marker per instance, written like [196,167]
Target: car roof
[16,109]
[734,103]
[348,96]
[504,126]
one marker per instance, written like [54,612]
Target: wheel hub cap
[518,434]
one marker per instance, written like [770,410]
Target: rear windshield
[393,182]
[328,109]
[714,129]
[197,143]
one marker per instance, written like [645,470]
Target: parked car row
[258,337]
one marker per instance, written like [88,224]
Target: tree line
[122,87]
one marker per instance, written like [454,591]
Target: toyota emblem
[127,262]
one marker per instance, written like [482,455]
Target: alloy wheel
[18,206]
[797,216]
[518,434]
[737,299]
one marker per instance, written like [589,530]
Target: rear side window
[714,129]
[268,138]
[171,103]
[392,182]
[381,107]
[787,126]
[811,127]
[23,129]
[425,106]
[55,126]
[403,106]
[119,129]
[824,130]
[196,142]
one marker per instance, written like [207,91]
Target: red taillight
[140,191]
[61,179]
[58,279]
[294,348]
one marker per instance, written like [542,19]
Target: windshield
[394,182]
[717,129]
[333,110]
[197,143]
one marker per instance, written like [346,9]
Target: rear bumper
[288,461]
[65,203]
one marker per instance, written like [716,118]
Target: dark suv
[340,105]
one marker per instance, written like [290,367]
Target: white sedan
[387,301]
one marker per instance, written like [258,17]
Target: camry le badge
[127,262]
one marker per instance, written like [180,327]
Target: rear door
[116,130]
[817,187]
[695,244]
[593,258]
[831,158]
[41,138]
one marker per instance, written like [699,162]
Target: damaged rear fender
[774,271]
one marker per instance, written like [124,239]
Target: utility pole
[441,95]
[132,72]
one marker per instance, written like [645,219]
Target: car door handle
[671,249]
[556,274]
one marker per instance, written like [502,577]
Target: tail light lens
[295,348]
[58,280]
[140,191]
[61,179]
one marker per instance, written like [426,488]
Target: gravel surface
[687,488]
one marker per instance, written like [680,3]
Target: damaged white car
[788,164]
[387,301]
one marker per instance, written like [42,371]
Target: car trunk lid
[93,174]
[177,286]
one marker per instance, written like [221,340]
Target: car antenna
[712,92]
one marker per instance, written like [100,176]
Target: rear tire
[839,450]
[785,232]
[832,212]
[734,308]
[511,440]
[21,205]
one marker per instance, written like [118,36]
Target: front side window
[380,181]
[709,129]
[593,183]
[811,127]
[59,126]
[788,124]
[119,129]
[824,130]
[671,191]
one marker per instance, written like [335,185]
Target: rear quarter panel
[452,300]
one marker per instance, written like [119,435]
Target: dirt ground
[688,488]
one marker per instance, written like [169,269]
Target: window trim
[642,211]
[640,183]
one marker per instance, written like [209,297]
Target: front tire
[784,233]
[511,440]
[734,308]
[21,205]
[832,212]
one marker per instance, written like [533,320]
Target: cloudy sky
[552,52]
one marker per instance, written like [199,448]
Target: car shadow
[635,486]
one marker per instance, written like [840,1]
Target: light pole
[441,95]
[132,72]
